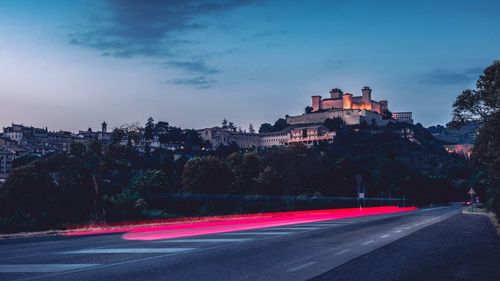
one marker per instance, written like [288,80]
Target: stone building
[340,100]
[6,158]
[349,116]
[351,109]
[271,139]
[102,136]
[38,141]
[309,135]
[218,136]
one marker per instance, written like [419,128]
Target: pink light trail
[212,225]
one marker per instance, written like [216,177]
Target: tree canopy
[481,103]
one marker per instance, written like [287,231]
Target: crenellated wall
[339,100]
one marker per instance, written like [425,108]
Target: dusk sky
[72,64]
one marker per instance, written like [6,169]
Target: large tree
[207,174]
[149,129]
[265,128]
[482,103]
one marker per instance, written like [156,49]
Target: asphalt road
[464,247]
[292,252]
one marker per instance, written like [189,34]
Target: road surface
[292,252]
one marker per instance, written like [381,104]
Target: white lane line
[130,251]
[367,242]
[415,225]
[432,209]
[302,266]
[205,240]
[256,233]
[408,227]
[342,252]
[398,231]
[331,222]
[385,236]
[23,268]
[134,261]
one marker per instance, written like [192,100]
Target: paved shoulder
[464,247]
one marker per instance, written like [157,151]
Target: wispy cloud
[200,82]
[153,29]
[441,77]
[196,66]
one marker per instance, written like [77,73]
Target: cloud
[152,29]
[441,77]
[196,66]
[334,63]
[200,82]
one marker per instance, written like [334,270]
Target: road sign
[472,192]
[361,195]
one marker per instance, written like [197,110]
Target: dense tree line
[482,105]
[96,185]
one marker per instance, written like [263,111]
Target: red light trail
[212,225]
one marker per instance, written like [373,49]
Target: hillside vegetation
[97,185]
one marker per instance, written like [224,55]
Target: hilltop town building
[340,100]
[351,109]
[309,128]
[218,136]
[6,158]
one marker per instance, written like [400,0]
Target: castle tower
[367,95]
[336,93]
[316,103]
[347,101]
[383,105]
[104,127]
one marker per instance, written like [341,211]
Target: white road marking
[256,233]
[205,240]
[398,231]
[385,236]
[431,209]
[133,261]
[416,224]
[130,251]
[302,266]
[4,268]
[408,227]
[333,222]
[367,242]
[342,252]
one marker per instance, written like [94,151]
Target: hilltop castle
[340,100]
[309,128]
[351,109]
